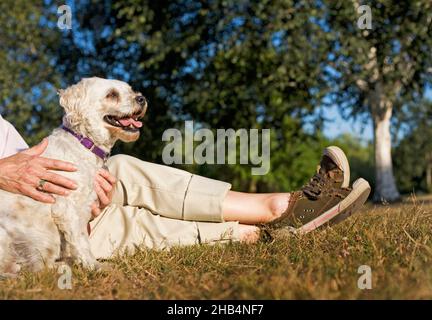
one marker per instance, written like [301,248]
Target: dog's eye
[113,94]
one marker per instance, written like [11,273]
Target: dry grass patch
[395,241]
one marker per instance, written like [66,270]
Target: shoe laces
[315,185]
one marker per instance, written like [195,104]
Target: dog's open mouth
[127,122]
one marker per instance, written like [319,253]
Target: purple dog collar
[88,143]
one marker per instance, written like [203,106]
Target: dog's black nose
[141,100]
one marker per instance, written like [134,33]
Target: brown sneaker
[335,167]
[341,210]
[325,196]
[338,213]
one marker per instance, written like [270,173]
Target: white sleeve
[10,140]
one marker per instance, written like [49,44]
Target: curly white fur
[35,235]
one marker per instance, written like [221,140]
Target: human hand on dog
[104,187]
[22,173]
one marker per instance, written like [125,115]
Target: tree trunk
[385,186]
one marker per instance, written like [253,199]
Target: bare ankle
[249,234]
[278,205]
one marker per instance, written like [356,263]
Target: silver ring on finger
[41,184]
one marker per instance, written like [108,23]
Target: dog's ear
[72,99]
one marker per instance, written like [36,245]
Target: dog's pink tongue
[130,121]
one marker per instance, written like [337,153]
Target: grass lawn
[394,240]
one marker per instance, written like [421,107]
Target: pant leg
[167,191]
[121,229]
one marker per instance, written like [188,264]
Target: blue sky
[339,126]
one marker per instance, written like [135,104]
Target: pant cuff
[204,198]
[210,232]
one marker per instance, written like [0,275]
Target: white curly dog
[33,235]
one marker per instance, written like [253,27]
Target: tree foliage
[413,154]
[377,71]
[27,72]
[224,64]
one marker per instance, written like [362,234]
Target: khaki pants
[158,207]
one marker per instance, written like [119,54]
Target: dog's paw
[91,265]
[106,266]
[5,276]
[11,271]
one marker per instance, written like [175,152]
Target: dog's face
[103,110]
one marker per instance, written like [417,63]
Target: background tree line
[238,64]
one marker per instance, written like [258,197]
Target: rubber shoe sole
[344,209]
[339,157]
